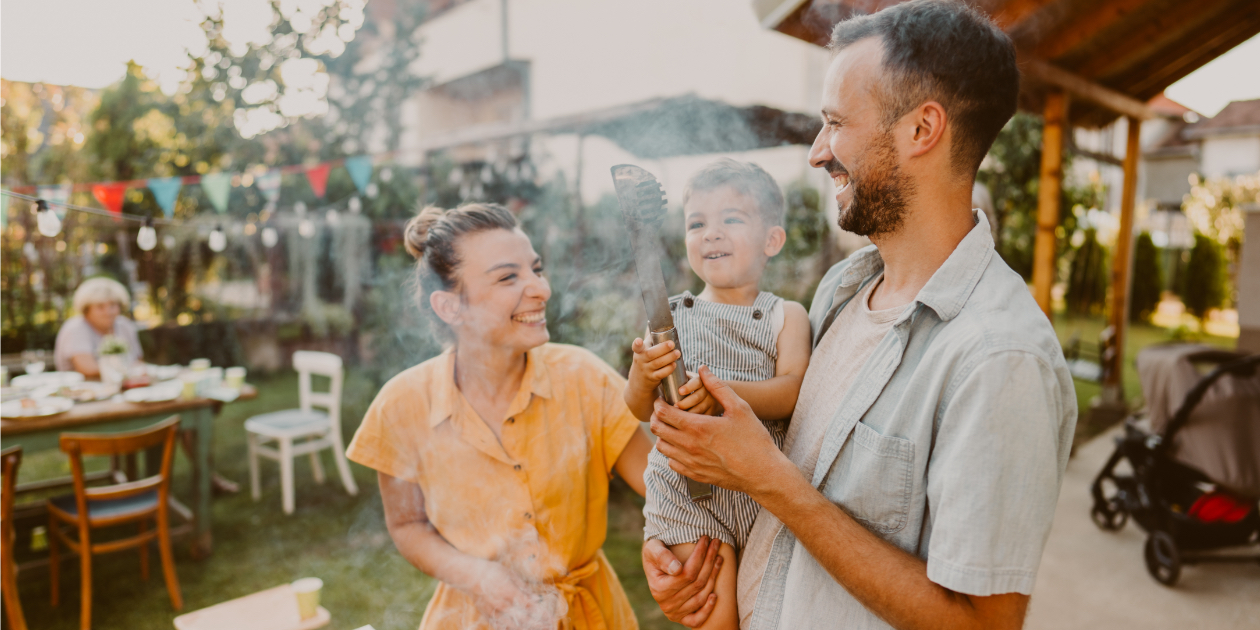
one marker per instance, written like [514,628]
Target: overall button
[757,314]
[688,302]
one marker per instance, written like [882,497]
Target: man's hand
[733,451]
[683,591]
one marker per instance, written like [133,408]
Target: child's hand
[696,399]
[651,365]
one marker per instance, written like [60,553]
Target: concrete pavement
[1095,579]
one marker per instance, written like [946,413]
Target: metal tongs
[643,207]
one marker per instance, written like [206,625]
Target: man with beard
[923,461]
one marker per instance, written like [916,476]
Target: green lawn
[339,538]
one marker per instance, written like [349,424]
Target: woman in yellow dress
[494,458]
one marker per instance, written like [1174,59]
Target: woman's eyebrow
[503,265]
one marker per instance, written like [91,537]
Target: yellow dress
[538,502]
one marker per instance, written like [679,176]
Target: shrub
[1205,277]
[1148,279]
[1087,279]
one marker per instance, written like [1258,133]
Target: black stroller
[1195,460]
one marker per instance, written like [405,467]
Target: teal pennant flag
[218,186]
[360,168]
[166,191]
[269,185]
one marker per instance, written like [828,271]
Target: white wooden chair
[289,434]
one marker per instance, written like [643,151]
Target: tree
[1148,279]
[1012,172]
[1205,277]
[1087,279]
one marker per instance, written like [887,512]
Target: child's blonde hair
[747,178]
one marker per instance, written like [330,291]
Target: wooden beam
[1015,12]
[1084,28]
[1085,89]
[1164,29]
[1113,383]
[1152,76]
[1046,244]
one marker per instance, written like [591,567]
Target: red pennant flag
[110,196]
[318,177]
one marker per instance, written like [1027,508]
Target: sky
[88,43]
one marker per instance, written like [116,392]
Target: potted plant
[112,360]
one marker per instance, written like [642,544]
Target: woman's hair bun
[417,230]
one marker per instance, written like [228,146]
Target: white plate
[157,393]
[43,407]
[88,391]
[54,379]
[163,372]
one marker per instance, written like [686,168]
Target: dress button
[757,314]
[517,468]
[511,420]
[528,516]
[688,302]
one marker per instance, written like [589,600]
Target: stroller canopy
[1221,438]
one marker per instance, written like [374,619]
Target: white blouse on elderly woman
[77,337]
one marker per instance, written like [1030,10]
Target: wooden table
[109,416]
[272,609]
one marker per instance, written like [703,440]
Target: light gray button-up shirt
[950,444]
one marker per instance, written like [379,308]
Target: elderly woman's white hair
[100,291]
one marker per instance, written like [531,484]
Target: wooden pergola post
[1113,383]
[1045,246]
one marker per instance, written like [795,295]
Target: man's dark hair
[943,51]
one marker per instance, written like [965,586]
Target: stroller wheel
[1163,560]
[1110,517]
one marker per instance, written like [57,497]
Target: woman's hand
[697,399]
[499,592]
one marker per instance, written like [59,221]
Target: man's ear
[927,128]
[776,237]
[447,306]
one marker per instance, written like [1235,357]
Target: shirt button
[517,468]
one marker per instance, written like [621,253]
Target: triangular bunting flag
[269,185]
[218,186]
[57,197]
[318,177]
[360,168]
[110,196]
[166,191]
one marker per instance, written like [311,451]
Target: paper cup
[234,377]
[189,390]
[198,365]
[307,592]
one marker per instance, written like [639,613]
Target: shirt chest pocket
[872,479]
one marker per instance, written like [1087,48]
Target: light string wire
[135,218]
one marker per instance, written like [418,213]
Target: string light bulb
[306,228]
[387,174]
[146,239]
[218,240]
[300,208]
[332,217]
[270,237]
[356,206]
[46,220]
[372,190]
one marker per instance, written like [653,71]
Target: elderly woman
[98,304]
[494,458]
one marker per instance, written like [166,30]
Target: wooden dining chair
[134,501]
[8,572]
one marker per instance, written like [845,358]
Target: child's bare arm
[726,613]
[775,398]
[649,367]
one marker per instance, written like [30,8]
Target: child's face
[728,242]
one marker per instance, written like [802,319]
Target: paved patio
[1095,579]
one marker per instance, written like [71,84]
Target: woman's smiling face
[728,242]
[502,297]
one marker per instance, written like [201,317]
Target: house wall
[1168,179]
[1227,156]
[1249,284]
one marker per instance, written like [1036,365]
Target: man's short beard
[881,193]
